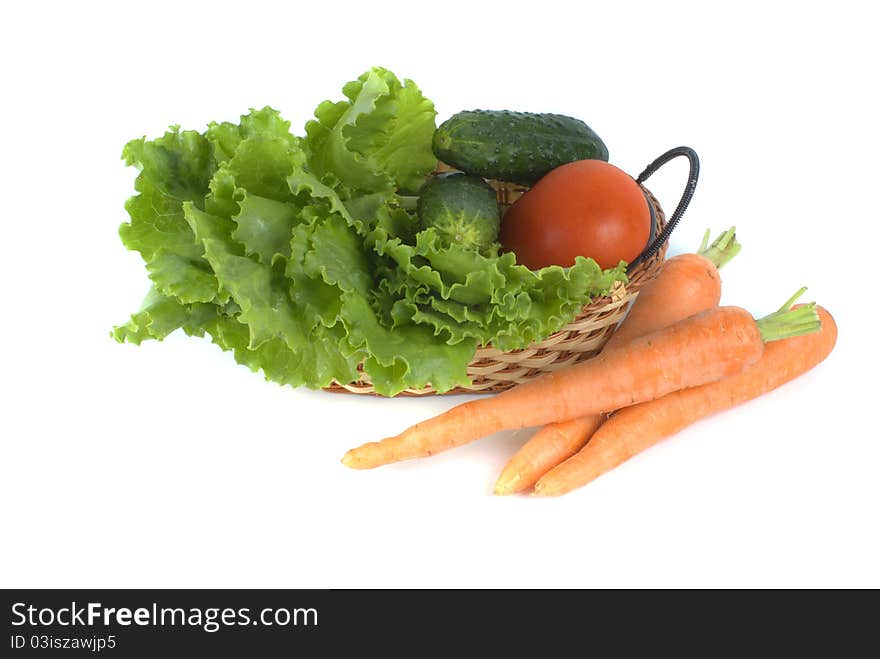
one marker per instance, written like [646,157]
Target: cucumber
[519,147]
[462,208]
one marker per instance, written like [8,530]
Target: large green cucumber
[519,147]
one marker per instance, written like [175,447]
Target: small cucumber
[462,208]
[519,147]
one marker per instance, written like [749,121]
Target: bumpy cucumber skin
[462,208]
[519,147]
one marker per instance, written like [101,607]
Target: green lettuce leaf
[379,139]
[299,256]
[175,169]
[179,164]
[329,358]
[160,315]
[267,123]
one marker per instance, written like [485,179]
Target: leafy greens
[298,255]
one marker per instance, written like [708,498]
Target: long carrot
[634,429]
[703,348]
[687,284]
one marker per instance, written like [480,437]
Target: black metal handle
[694,173]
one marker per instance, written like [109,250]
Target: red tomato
[585,208]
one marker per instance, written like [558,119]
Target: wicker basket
[492,370]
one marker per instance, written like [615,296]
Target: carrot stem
[722,250]
[787,322]
[794,298]
[705,243]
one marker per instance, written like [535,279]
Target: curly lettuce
[297,254]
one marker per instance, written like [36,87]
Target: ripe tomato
[585,208]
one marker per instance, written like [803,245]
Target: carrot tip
[350,460]
[506,486]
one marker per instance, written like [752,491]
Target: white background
[169,465]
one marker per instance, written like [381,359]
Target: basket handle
[691,186]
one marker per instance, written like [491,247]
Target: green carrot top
[722,250]
[788,322]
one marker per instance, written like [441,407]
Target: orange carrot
[703,348]
[634,429]
[687,284]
